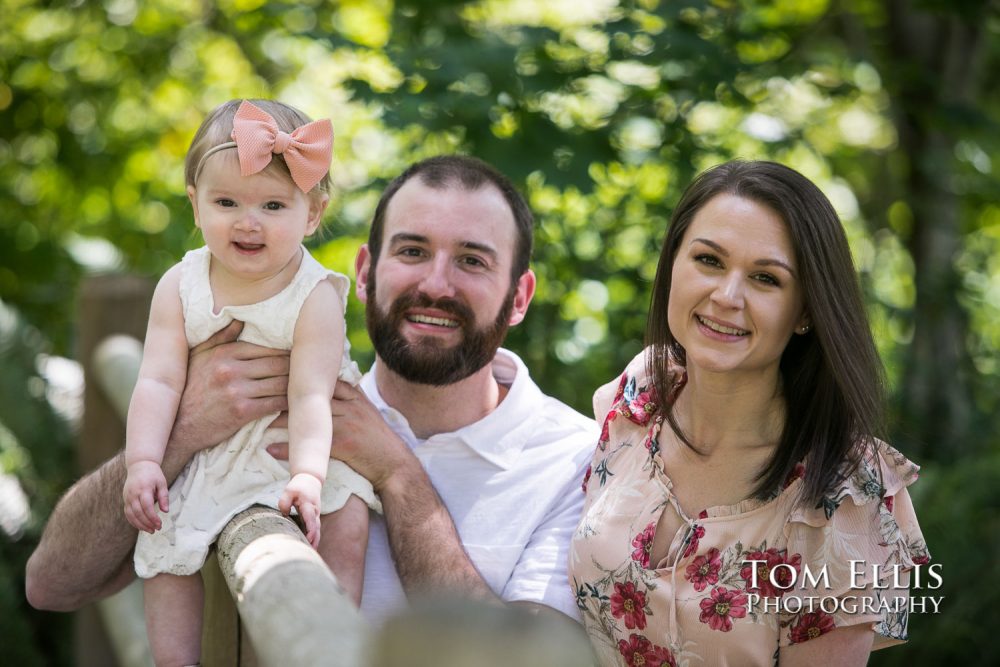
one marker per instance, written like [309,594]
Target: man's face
[441,299]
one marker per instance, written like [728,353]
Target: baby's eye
[226,203]
[274,206]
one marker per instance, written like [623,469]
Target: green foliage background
[601,111]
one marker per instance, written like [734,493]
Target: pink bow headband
[307,150]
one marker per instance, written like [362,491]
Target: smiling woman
[761,365]
[736,299]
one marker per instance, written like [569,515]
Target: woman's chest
[696,490]
[695,603]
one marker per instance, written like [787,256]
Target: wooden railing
[292,607]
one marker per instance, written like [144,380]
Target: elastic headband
[307,149]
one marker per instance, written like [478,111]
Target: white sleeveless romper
[224,480]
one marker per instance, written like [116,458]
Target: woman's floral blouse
[702,604]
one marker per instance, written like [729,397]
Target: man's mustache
[415,299]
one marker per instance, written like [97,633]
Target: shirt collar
[498,437]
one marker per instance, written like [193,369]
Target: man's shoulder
[549,419]
[559,412]
[509,369]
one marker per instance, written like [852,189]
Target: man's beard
[429,360]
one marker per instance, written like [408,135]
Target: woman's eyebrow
[713,245]
[760,262]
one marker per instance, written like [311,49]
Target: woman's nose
[728,293]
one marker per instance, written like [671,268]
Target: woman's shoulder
[868,512]
[880,472]
[611,392]
[633,393]
[861,535]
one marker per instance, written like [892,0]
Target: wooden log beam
[291,605]
[108,305]
[115,365]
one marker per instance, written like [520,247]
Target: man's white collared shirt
[512,484]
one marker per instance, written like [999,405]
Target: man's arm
[85,552]
[426,548]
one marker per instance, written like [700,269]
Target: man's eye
[473,261]
[410,252]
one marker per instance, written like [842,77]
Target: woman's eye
[708,260]
[767,279]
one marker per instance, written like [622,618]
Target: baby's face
[253,225]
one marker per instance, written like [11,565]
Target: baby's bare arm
[317,352]
[154,403]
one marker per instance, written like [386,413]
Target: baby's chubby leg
[174,607]
[343,542]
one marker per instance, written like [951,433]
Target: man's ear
[362,264]
[316,207]
[522,296]
[192,194]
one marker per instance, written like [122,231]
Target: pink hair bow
[307,150]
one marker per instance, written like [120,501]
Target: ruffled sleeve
[632,395]
[609,396]
[857,550]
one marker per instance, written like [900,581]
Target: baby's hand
[303,491]
[145,488]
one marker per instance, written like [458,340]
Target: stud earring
[804,329]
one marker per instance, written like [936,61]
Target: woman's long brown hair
[833,381]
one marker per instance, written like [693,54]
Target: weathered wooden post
[291,605]
[106,305]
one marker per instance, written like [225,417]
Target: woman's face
[735,295]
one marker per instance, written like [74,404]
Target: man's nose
[437,281]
